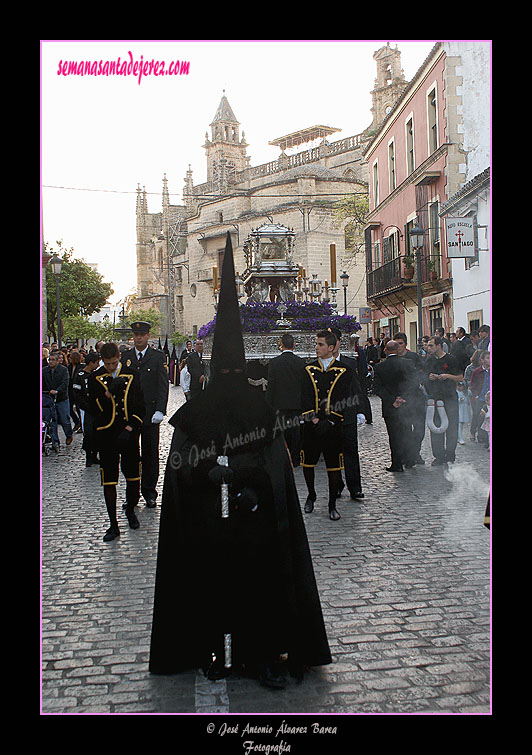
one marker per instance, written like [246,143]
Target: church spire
[166,196]
[139,208]
[226,152]
[224,112]
[224,126]
[188,190]
[166,206]
[144,201]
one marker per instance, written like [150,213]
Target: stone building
[179,249]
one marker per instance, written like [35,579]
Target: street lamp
[56,263]
[417,237]
[345,280]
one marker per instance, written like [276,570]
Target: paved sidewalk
[404,579]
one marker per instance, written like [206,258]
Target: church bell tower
[226,151]
[389,84]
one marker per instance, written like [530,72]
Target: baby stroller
[48,413]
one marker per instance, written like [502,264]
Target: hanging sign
[364,314]
[460,237]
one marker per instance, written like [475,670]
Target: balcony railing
[394,275]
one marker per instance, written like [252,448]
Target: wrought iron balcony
[395,275]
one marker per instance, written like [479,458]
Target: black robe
[250,575]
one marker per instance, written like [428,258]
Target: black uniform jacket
[125,407]
[196,368]
[326,393]
[153,379]
[80,390]
[355,403]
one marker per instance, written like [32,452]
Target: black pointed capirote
[228,344]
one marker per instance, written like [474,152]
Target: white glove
[157,418]
[361,419]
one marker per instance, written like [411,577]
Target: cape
[249,575]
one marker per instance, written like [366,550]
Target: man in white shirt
[325,393]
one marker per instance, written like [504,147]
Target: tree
[352,211]
[152,315]
[82,290]
[79,327]
[178,338]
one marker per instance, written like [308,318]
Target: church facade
[179,250]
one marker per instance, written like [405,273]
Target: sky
[101,136]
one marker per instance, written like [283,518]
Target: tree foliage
[151,315]
[82,290]
[352,212]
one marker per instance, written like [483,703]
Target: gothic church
[179,249]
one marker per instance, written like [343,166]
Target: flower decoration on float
[261,317]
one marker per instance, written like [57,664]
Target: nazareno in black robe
[250,575]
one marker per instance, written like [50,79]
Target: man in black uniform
[151,366]
[235,585]
[285,376]
[353,416]
[326,391]
[80,391]
[197,369]
[115,400]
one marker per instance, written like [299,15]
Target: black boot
[132,499]
[109,492]
[308,473]
[333,513]
[335,480]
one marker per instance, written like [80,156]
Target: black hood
[228,407]
[228,344]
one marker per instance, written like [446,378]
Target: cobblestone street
[404,580]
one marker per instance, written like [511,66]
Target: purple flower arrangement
[261,318]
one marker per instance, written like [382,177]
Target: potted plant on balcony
[433,269]
[408,264]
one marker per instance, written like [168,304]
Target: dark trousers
[149,444]
[444,445]
[400,439]
[111,461]
[292,433]
[365,406]
[418,418]
[351,459]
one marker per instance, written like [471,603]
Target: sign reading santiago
[460,237]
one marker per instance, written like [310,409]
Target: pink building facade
[412,169]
